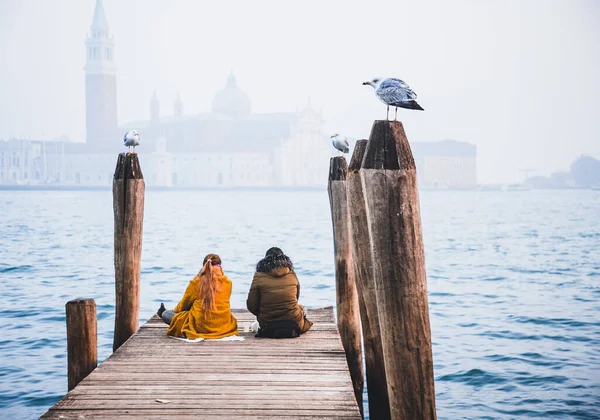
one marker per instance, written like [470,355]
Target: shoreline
[481,188]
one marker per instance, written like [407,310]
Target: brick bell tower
[100,81]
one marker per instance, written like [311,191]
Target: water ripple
[512,281]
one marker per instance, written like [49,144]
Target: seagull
[340,143]
[132,138]
[396,93]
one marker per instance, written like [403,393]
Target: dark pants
[167,316]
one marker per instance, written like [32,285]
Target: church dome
[231,100]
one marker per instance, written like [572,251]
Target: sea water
[513,281]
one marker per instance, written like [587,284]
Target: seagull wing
[393,82]
[393,93]
[396,90]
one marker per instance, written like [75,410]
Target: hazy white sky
[520,79]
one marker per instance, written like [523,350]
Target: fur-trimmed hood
[273,262]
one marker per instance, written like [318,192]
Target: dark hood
[273,262]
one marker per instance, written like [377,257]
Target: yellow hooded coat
[189,321]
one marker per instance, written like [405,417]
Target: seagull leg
[387,114]
[396,114]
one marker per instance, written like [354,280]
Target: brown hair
[209,283]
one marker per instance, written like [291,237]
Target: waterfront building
[446,164]
[229,146]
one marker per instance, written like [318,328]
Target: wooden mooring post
[348,312]
[82,338]
[128,206]
[389,182]
[363,276]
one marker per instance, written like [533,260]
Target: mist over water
[513,281]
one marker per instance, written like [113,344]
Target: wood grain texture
[305,377]
[348,312]
[82,339]
[363,274]
[389,182]
[128,206]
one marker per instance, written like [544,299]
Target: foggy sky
[518,79]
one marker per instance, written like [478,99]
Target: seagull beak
[366,83]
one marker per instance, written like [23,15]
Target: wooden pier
[153,376]
[381,288]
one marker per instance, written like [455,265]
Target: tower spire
[154,108]
[178,106]
[99,22]
[100,44]
[100,79]
[231,80]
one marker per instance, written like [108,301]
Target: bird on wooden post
[340,143]
[132,138]
[396,93]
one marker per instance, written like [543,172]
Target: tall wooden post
[348,312]
[389,181]
[82,338]
[128,205]
[363,274]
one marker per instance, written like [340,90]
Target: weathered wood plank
[165,413]
[218,379]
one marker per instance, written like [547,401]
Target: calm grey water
[513,277]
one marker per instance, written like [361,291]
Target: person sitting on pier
[273,297]
[204,311]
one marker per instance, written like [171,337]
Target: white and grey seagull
[396,93]
[131,138]
[340,142]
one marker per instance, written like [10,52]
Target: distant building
[230,146]
[585,171]
[446,163]
[24,161]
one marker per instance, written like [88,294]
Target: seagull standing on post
[132,138]
[340,143]
[396,93]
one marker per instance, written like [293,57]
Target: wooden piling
[82,349]
[389,181]
[128,205]
[363,276]
[348,312]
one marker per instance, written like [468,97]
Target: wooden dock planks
[153,376]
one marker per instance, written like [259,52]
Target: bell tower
[100,80]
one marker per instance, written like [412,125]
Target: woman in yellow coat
[204,310]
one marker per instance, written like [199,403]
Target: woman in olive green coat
[275,291]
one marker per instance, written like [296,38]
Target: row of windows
[95,53]
[25,175]
[220,177]
[15,161]
[209,158]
